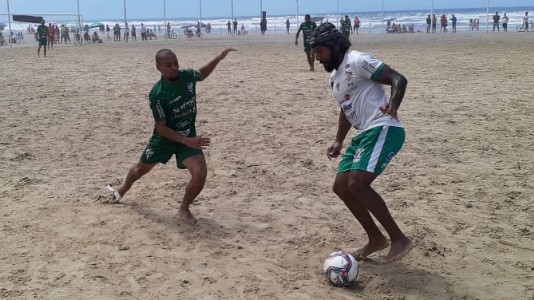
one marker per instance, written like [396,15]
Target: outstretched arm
[297,36]
[398,85]
[206,70]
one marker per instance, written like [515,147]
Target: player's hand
[197,142]
[296,43]
[389,110]
[225,52]
[334,150]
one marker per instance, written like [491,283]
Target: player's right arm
[343,128]
[297,36]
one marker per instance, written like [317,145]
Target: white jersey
[358,96]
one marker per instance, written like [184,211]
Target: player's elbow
[400,81]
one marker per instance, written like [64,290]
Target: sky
[114,9]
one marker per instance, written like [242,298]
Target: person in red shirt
[50,34]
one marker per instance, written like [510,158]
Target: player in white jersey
[357,84]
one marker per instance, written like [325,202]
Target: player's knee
[357,187]
[199,174]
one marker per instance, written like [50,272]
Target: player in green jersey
[42,33]
[307,27]
[173,105]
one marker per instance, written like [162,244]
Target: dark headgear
[326,35]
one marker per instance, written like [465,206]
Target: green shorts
[372,150]
[43,41]
[160,150]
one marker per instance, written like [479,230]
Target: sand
[461,188]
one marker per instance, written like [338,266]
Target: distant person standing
[496,20]
[134,34]
[263,26]
[345,26]
[356,25]
[42,33]
[443,21]
[51,38]
[453,21]
[307,27]
[126,32]
[107,32]
[505,23]
[434,21]
[235,26]
[428,23]
[525,21]
[229,26]
[288,24]
[143,32]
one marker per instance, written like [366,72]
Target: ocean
[371,22]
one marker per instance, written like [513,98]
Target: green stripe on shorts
[372,150]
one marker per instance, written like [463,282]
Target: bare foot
[398,250]
[187,216]
[371,248]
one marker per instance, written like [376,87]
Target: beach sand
[461,188]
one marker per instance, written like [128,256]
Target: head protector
[327,35]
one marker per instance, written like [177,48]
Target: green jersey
[345,27]
[307,28]
[176,102]
[42,31]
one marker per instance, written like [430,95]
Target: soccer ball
[340,268]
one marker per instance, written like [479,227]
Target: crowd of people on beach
[98,32]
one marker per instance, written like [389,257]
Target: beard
[329,67]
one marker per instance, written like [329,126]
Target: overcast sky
[114,9]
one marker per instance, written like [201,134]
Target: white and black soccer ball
[340,268]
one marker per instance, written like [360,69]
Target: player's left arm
[206,70]
[398,85]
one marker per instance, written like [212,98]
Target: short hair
[161,53]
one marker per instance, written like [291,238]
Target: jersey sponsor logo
[187,104]
[175,100]
[180,114]
[184,124]
[348,74]
[368,67]
[149,152]
[160,110]
[337,86]
[346,105]
[184,132]
[358,155]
